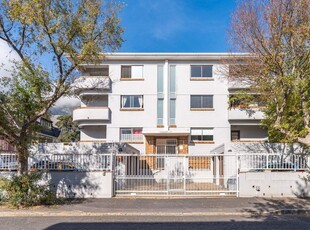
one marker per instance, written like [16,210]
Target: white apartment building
[162,103]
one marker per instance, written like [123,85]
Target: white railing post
[237,173]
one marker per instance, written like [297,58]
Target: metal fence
[59,162]
[273,162]
[166,174]
[175,174]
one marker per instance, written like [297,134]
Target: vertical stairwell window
[160,111]
[172,95]
[160,95]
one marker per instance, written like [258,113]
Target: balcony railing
[245,114]
[59,162]
[91,114]
[132,137]
[92,83]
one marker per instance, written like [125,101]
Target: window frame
[131,75]
[130,97]
[201,101]
[201,72]
[231,135]
[202,135]
[132,129]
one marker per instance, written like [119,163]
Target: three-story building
[174,103]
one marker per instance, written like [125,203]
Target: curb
[178,214]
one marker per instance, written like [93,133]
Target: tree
[275,35]
[44,33]
[68,129]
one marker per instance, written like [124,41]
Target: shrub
[26,190]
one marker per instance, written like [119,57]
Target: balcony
[233,85]
[92,85]
[245,114]
[91,115]
[132,137]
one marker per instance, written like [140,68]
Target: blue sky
[176,25]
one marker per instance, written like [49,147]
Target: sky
[176,25]
[161,26]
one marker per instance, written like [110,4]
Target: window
[201,71]
[131,134]
[165,146]
[160,111]
[201,101]
[202,134]
[235,135]
[132,101]
[132,72]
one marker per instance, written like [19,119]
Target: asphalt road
[297,222]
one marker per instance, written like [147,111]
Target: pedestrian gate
[175,175]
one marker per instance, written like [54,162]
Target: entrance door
[165,147]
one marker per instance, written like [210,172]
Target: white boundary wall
[77,184]
[274,184]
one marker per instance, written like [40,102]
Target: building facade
[173,103]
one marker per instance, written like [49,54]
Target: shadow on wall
[303,187]
[76,184]
[83,148]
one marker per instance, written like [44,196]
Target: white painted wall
[250,132]
[273,184]
[90,133]
[76,184]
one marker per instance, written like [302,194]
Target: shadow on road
[269,223]
[271,206]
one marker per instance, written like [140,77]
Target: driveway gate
[175,175]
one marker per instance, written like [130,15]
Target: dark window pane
[195,71]
[136,101]
[126,101]
[195,101]
[126,72]
[196,137]
[207,137]
[207,71]
[126,131]
[207,101]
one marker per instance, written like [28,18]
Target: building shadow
[233,223]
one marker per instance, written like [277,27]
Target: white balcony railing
[92,82]
[245,114]
[131,137]
[91,113]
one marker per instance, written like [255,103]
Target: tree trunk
[305,140]
[23,155]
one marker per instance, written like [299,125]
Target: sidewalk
[168,207]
